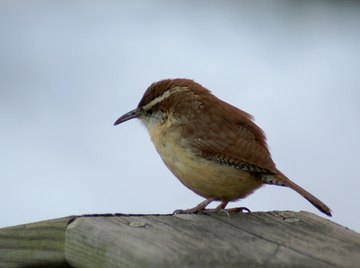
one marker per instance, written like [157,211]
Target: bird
[214,148]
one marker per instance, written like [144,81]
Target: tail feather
[282,180]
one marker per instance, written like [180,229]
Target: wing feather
[226,134]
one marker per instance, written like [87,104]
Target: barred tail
[282,180]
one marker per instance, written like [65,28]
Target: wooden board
[34,245]
[260,239]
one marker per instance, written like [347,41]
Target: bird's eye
[149,112]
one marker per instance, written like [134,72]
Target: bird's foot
[220,209]
[226,212]
[239,209]
[199,209]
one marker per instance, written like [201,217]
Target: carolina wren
[212,147]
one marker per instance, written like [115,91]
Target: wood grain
[273,239]
[260,239]
[34,245]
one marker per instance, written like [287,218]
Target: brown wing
[228,135]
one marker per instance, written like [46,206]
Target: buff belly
[206,178]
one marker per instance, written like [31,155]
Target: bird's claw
[218,211]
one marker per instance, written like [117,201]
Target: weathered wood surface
[34,245]
[271,239]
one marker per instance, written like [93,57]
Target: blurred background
[69,69]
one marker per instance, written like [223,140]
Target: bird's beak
[130,115]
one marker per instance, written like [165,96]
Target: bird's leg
[200,208]
[222,205]
[220,209]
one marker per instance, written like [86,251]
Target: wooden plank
[272,239]
[319,239]
[34,245]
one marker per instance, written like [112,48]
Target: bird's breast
[206,178]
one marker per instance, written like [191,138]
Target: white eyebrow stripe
[165,95]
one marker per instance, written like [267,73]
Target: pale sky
[69,69]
